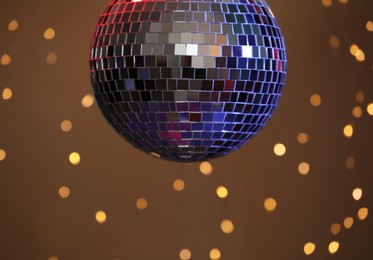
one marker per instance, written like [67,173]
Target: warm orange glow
[66,125]
[353,49]
[360,97]
[53,258]
[360,55]
[350,162]
[279,149]
[52,58]
[369,26]
[335,228]
[348,222]
[303,138]
[101,217]
[357,112]
[74,158]
[88,100]
[304,168]
[348,131]
[13,25]
[49,34]
[141,203]
[315,100]
[215,254]
[64,192]
[5,59]
[222,192]
[327,3]
[334,41]
[185,254]
[362,213]
[179,185]
[270,204]
[343,2]
[205,168]
[2,155]
[7,93]
[333,247]
[357,194]
[309,248]
[227,226]
[370,109]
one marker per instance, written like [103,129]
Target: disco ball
[187,80]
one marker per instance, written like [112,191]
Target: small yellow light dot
[360,97]
[362,213]
[304,168]
[360,55]
[279,149]
[88,100]
[357,112]
[66,125]
[353,49]
[215,254]
[205,168]
[334,41]
[2,155]
[270,204]
[49,34]
[348,222]
[303,138]
[333,247]
[370,109]
[53,258]
[327,3]
[5,59]
[141,203]
[348,131]
[309,248]
[179,185]
[74,158]
[7,93]
[350,162]
[369,26]
[185,254]
[357,194]
[101,217]
[315,100]
[64,192]
[222,192]
[13,25]
[227,226]
[343,2]
[335,229]
[52,58]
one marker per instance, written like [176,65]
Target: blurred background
[72,189]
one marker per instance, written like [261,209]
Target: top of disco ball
[187,80]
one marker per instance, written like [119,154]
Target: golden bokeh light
[66,125]
[304,168]
[362,214]
[64,192]
[88,100]
[353,49]
[2,155]
[303,138]
[369,26]
[74,158]
[53,258]
[13,25]
[222,192]
[270,204]
[357,193]
[309,248]
[333,247]
[343,2]
[348,222]
[206,168]
[348,131]
[279,149]
[7,94]
[215,254]
[327,3]
[315,100]
[49,34]
[350,162]
[370,109]
[185,254]
[360,55]
[141,204]
[101,217]
[360,97]
[227,226]
[52,58]
[5,59]
[335,229]
[334,41]
[357,112]
[179,185]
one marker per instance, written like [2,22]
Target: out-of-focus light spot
[270,204]
[304,168]
[315,100]
[185,254]
[74,158]
[49,34]
[350,162]
[362,214]
[5,59]
[353,49]
[2,155]
[205,168]
[334,41]
[370,109]
[360,55]
[101,217]
[369,26]
[227,226]
[335,229]
[357,112]
[52,58]
[279,149]
[303,138]
[348,222]
[64,192]
[13,25]
[141,203]
[309,248]
[348,131]
[222,192]
[88,100]
[343,2]
[53,258]
[327,3]
[360,97]
[333,247]
[155,155]
[66,125]
[179,185]
[7,93]
[215,254]
[357,193]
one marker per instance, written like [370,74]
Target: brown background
[35,223]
